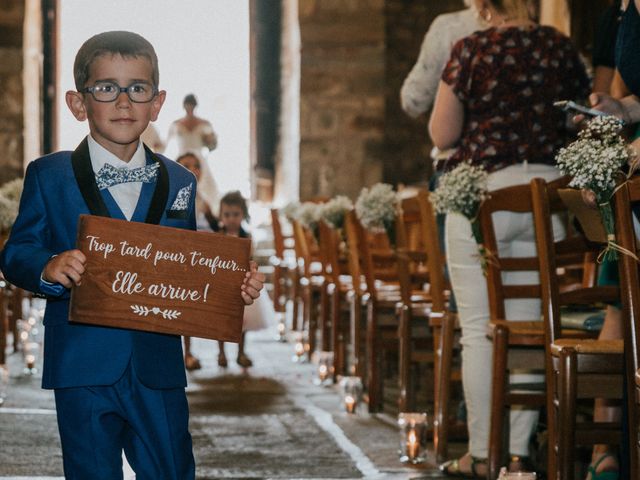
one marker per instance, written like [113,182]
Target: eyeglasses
[139,92]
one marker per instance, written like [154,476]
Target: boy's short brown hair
[125,44]
[235,199]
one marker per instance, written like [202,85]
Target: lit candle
[413,446]
[30,360]
[299,348]
[350,403]
[281,328]
[323,372]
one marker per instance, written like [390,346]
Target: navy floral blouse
[508,79]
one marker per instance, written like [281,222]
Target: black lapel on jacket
[161,192]
[86,180]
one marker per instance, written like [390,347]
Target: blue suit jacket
[58,188]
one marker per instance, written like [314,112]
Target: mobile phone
[571,106]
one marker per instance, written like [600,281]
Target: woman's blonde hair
[513,9]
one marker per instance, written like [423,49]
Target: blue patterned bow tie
[108,176]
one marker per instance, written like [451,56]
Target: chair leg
[567,385]
[4,326]
[336,345]
[499,409]
[277,289]
[355,325]
[552,420]
[374,382]
[442,386]
[296,297]
[326,321]
[405,397]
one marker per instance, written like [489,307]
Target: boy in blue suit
[115,389]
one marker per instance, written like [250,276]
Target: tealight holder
[351,393]
[281,335]
[324,373]
[299,349]
[413,437]
[506,475]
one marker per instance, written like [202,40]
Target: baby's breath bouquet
[290,210]
[594,161]
[334,211]
[9,201]
[308,215]
[462,190]
[376,208]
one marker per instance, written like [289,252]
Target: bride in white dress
[194,134]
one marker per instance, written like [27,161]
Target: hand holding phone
[571,106]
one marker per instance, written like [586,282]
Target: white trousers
[516,237]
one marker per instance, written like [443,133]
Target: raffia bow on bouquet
[462,190]
[595,161]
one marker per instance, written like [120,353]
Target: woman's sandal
[191,363]
[605,474]
[451,468]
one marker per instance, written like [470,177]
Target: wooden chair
[4,319]
[378,266]
[575,367]
[626,196]
[336,291]
[307,284]
[419,254]
[282,265]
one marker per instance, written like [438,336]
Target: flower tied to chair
[108,175]
[463,190]
[595,161]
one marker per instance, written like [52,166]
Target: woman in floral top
[495,106]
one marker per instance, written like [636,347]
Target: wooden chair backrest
[515,199]
[278,236]
[554,255]
[625,197]
[329,245]
[375,259]
[418,243]
[304,246]
[351,225]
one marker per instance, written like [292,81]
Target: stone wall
[11,97]
[341,95]
[406,141]
[354,56]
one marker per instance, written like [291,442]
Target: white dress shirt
[125,194]
[421,85]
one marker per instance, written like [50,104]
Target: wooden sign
[160,279]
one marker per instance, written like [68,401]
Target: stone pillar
[341,96]
[11,99]
[287,162]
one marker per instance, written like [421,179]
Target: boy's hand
[253,283]
[66,268]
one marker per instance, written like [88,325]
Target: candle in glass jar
[299,348]
[413,446]
[30,360]
[350,403]
[323,372]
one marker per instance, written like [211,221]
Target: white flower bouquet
[376,208]
[462,190]
[334,211]
[594,161]
[290,210]
[309,215]
[10,193]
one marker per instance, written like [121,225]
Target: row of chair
[386,299]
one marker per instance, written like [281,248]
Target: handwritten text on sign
[182,282]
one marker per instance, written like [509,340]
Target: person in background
[194,134]
[234,211]
[495,107]
[206,221]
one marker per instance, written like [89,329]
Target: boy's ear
[75,102]
[156,104]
